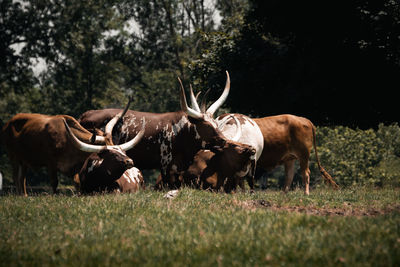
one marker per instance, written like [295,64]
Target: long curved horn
[136,140]
[110,125]
[211,110]
[203,104]
[81,145]
[193,100]
[184,106]
[238,134]
[221,123]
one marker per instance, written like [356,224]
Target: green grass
[200,228]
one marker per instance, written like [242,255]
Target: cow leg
[53,179]
[241,182]
[77,182]
[289,174]
[305,173]
[17,183]
[261,176]
[230,184]
[250,176]
[19,177]
[22,174]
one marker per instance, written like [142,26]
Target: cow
[288,138]
[35,140]
[170,140]
[251,135]
[108,168]
[212,170]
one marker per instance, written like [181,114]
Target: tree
[335,64]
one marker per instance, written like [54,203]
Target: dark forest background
[336,63]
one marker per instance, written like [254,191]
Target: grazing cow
[223,168]
[287,138]
[170,139]
[36,140]
[108,168]
[250,135]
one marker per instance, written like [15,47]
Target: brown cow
[37,140]
[288,138]
[170,140]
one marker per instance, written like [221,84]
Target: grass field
[358,226]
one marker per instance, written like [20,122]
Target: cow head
[206,127]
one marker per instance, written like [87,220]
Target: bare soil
[346,210]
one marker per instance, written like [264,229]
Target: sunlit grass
[200,228]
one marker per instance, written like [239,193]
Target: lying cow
[106,165]
[108,168]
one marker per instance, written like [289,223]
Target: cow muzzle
[129,163]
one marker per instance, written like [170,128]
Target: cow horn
[193,100]
[223,121]
[238,134]
[211,110]
[110,125]
[203,105]
[136,140]
[81,145]
[184,106]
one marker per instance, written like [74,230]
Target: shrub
[355,156]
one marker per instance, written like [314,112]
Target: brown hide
[222,168]
[36,140]
[287,138]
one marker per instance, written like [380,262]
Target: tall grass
[200,228]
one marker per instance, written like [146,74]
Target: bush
[360,156]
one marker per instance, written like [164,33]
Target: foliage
[200,228]
[333,63]
[355,156]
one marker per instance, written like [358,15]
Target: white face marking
[203,144]
[197,133]
[93,164]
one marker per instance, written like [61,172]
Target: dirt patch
[346,210]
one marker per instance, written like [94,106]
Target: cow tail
[328,178]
